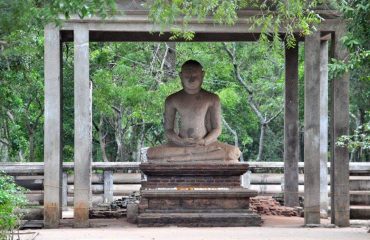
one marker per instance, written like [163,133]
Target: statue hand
[191,142]
[200,142]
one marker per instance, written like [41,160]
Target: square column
[83,125]
[340,126]
[324,199]
[312,129]
[53,143]
[291,126]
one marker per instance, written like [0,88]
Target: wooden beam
[291,128]
[312,129]
[340,126]
[52,128]
[83,127]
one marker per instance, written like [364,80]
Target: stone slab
[195,195]
[360,212]
[194,169]
[172,181]
[240,192]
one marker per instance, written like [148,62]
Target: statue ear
[203,73]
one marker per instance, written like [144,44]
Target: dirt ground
[274,227]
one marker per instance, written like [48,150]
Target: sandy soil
[274,227]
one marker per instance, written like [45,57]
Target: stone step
[173,200]
[235,219]
[360,212]
[199,193]
[360,198]
[359,183]
[214,210]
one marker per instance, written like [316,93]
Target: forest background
[131,80]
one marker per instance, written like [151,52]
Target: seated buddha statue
[199,123]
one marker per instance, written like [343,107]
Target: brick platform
[195,194]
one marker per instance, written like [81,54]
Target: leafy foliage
[12,198]
[131,80]
[357,14]
[360,140]
[293,16]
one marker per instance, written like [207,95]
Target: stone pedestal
[195,195]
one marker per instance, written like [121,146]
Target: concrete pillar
[312,129]
[108,186]
[340,124]
[65,190]
[324,129]
[291,128]
[246,179]
[53,143]
[83,125]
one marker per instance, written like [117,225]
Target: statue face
[191,77]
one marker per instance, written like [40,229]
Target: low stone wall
[266,178]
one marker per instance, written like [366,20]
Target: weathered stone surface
[269,206]
[82,127]
[340,211]
[188,181]
[199,219]
[195,195]
[194,180]
[132,212]
[168,175]
[106,213]
[53,128]
[192,123]
[216,193]
[194,169]
[195,200]
[312,129]
[36,213]
[291,127]
[360,212]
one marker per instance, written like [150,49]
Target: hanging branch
[263,120]
[236,139]
[251,102]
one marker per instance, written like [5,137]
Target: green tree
[12,198]
[357,14]
[292,16]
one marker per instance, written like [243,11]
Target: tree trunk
[119,136]
[170,60]
[261,142]
[4,143]
[120,150]
[102,139]
[140,142]
[20,155]
[4,151]
[31,146]
[254,106]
